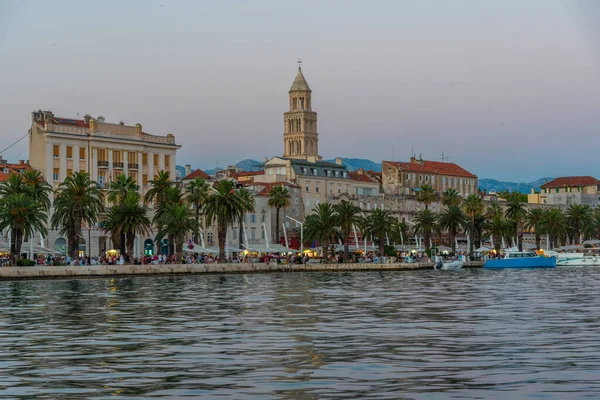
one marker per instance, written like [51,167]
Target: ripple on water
[384,335]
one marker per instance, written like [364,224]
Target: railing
[103,164]
[132,166]
[117,165]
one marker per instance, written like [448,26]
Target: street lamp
[301,232]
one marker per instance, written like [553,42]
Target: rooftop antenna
[442,156]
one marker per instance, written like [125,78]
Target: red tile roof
[197,174]
[268,186]
[355,176]
[571,181]
[432,167]
[3,176]
[251,173]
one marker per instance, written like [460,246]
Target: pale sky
[509,89]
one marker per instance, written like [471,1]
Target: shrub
[25,263]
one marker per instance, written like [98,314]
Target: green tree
[196,193]
[118,190]
[175,222]
[453,220]
[78,199]
[472,206]
[322,226]
[246,200]
[579,217]
[401,231]
[39,189]
[426,224]
[129,218]
[533,221]
[159,186]
[223,206]
[347,216]
[380,224]
[23,215]
[451,197]
[515,212]
[279,197]
[555,225]
[497,227]
[426,195]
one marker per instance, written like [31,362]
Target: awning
[482,249]
[199,249]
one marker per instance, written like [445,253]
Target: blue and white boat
[521,259]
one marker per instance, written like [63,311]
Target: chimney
[121,123]
[188,169]
[101,119]
[138,128]
[21,162]
[86,118]
[338,160]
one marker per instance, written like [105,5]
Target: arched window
[148,247]
[60,246]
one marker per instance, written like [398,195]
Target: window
[132,157]
[317,188]
[263,217]
[144,159]
[69,172]
[253,218]
[145,180]
[296,200]
[407,177]
[420,178]
[167,160]
[102,155]
[69,152]
[101,180]
[155,160]
[210,236]
[262,234]
[133,176]
[253,233]
[82,153]
[117,156]
[557,190]
[339,188]
[55,151]
[307,188]
[579,189]
[426,178]
[55,175]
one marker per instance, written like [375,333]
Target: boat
[521,259]
[448,265]
[576,259]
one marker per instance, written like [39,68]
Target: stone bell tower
[300,137]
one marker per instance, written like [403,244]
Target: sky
[507,89]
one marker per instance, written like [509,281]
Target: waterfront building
[569,190]
[407,177]
[60,146]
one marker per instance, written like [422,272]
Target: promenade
[44,272]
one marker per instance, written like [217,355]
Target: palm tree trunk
[472,235]
[538,239]
[222,237]
[453,241]
[130,241]
[346,249]
[325,248]
[276,240]
[197,233]
[18,243]
[13,244]
[240,236]
[122,244]
[381,247]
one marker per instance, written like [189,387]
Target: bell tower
[300,137]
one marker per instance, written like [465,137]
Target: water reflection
[421,334]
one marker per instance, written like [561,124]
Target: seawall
[44,272]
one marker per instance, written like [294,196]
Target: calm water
[392,335]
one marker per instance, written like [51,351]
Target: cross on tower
[299,63]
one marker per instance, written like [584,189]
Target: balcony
[132,166]
[117,165]
[103,164]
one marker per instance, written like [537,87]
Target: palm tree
[515,212]
[246,199]
[472,206]
[223,205]
[555,225]
[40,190]
[196,193]
[453,219]
[426,195]
[579,216]
[128,218]
[401,231]
[23,215]
[279,197]
[118,190]
[533,220]
[380,224]
[159,186]
[451,197]
[78,199]
[322,226]
[175,222]
[592,230]
[426,224]
[347,215]
[497,227]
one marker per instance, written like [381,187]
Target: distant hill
[493,185]
[354,164]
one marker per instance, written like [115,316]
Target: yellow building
[60,146]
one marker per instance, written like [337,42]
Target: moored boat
[521,259]
[576,260]
[448,265]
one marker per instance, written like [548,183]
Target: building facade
[407,177]
[569,190]
[59,147]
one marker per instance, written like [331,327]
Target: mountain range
[353,164]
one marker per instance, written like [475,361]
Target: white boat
[447,265]
[575,259]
